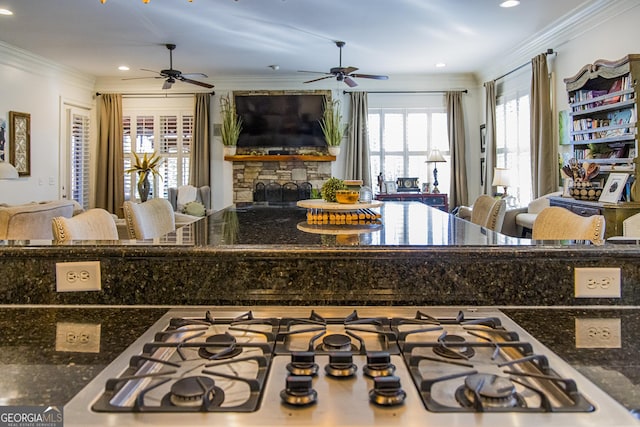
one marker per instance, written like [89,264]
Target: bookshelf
[603,103]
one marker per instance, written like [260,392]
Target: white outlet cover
[78,337]
[598,333]
[78,276]
[597,282]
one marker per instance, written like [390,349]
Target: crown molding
[30,63]
[566,28]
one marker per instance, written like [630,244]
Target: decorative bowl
[585,193]
[347,196]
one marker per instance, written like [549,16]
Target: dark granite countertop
[38,369]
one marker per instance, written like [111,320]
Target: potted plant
[143,166]
[332,129]
[330,187]
[231,125]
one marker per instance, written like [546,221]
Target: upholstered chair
[148,220]
[489,212]
[93,224]
[631,226]
[556,223]
[180,196]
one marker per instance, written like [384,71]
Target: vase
[334,150]
[230,150]
[144,186]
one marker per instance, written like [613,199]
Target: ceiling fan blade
[370,76]
[138,78]
[320,78]
[151,71]
[167,84]
[189,75]
[349,70]
[349,81]
[313,72]
[194,82]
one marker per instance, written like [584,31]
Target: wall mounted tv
[280,120]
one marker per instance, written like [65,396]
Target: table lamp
[8,171]
[501,178]
[435,157]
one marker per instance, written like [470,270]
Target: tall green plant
[231,122]
[330,123]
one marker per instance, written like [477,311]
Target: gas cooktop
[299,366]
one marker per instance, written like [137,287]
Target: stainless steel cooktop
[328,366]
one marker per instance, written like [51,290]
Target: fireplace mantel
[280,158]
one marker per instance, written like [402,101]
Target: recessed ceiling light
[5,12]
[123,68]
[440,65]
[510,3]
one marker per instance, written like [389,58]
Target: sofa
[32,221]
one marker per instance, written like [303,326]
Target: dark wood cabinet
[614,214]
[436,200]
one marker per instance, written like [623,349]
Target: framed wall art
[613,188]
[3,140]
[20,142]
[483,138]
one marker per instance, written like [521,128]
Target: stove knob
[387,391]
[379,364]
[303,363]
[299,391]
[341,364]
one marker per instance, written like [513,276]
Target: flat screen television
[280,120]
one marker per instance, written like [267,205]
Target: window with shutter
[79,156]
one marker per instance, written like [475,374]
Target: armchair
[180,196]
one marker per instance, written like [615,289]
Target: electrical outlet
[598,333]
[78,276]
[78,337]
[597,282]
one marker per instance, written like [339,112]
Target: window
[513,135]
[400,140]
[77,175]
[170,135]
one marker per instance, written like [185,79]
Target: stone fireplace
[249,170]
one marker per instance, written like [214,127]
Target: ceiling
[244,37]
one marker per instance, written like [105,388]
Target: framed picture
[483,170]
[390,187]
[3,140]
[20,142]
[614,187]
[483,138]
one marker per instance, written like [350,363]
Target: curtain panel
[357,151]
[458,195]
[200,162]
[544,163]
[490,139]
[110,165]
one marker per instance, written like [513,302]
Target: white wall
[36,86]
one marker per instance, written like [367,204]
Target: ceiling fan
[343,74]
[171,75]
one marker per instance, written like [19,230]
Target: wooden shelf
[280,158]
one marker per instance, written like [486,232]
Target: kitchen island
[46,363]
[257,255]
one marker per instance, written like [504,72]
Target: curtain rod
[548,52]
[160,95]
[409,91]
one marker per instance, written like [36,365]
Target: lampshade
[435,156]
[7,171]
[501,177]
